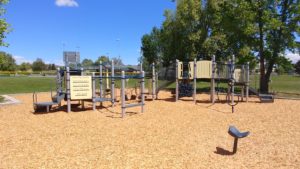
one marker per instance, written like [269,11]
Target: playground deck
[167,135]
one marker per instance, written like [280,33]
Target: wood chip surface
[167,135]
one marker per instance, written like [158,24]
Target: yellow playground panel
[240,76]
[204,69]
[190,70]
[180,70]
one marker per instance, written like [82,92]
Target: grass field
[12,85]
[280,83]
[1,99]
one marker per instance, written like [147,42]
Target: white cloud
[293,56]
[21,59]
[67,3]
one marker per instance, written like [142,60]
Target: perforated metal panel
[240,76]
[204,69]
[71,58]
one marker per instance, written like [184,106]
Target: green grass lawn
[285,83]
[12,85]
[280,83]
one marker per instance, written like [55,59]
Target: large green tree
[4,26]
[277,23]
[7,62]
[38,65]
[25,66]
[248,29]
[87,63]
[104,59]
[151,46]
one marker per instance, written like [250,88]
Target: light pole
[118,48]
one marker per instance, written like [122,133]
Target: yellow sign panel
[81,87]
[204,69]
[180,70]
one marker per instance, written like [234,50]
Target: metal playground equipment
[74,85]
[188,73]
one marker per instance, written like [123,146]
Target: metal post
[112,90]
[243,80]
[248,81]
[212,87]
[58,86]
[177,85]
[101,80]
[156,86]
[235,144]
[142,91]
[94,90]
[68,91]
[123,93]
[107,81]
[232,77]
[58,80]
[153,82]
[195,80]
[141,66]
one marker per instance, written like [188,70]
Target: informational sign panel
[71,58]
[81,87]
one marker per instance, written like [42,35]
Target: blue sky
[43,28]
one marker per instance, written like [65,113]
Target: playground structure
[82,88]
[187,75]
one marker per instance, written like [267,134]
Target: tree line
[104,59]
[255,31]
[8,63]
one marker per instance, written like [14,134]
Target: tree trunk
[264,82]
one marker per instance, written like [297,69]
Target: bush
[1,99]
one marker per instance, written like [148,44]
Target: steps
[266,98]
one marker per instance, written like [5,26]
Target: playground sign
[81,87]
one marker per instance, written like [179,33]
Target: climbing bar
[133,105]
